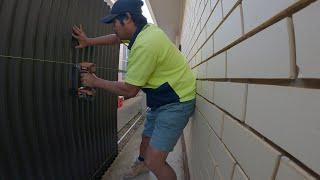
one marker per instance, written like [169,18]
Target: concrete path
[130,153]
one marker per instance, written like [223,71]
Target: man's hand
[89,80]
[81,36]
[119,88]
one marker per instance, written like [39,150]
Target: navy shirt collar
[134,37]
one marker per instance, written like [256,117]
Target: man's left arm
[115,87]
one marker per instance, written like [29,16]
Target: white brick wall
[265,55]
[202,39]
[213,3]
[202,71]
[289,117]
[207,89]
[239,174]
[307,29]
[227,5]
[256,12]
[231,97]
[215,18]
[217,174]
[207,49]
[205,14]
[256,157]
[216,66]
[254,100]
[198,57]
[224,159]
[211,165]
[230,30]
[289,170]
[212,114]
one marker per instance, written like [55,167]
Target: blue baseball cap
[122,7]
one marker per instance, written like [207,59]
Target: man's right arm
[109,39]
[84,41]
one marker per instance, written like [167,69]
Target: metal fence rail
[45,133]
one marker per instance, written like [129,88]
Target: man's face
[120,29]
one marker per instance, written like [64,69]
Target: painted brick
[231,97]
[195,71]
[224,160]
[211,164]
[256,12]
[200,174]
[289,170]
[204,163]
[257,158]
[204,88]
[194,163]
[198,69]
[227,5]
[197,145]
[187,136]
[201,9]
[217,174]
[207,87]
[308,41]
[196,47]
[202,71]
[211,91]
[213,115]
[202,92]
[238,174]
[192,62]
[206,14]
[199,103]
[203,132]
[202,38]
[197,33]
[265,55]
[198,57]
[207,49]
[208,174]
[289,117]
[215,19]
[199,86]
[229,31]
[205,173]
[216,66]
[213,3]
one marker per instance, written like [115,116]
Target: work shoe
[136,169]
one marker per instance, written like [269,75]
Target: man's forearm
[110,39]
[115,87]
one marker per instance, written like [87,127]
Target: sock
[140,158]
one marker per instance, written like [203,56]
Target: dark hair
[138,19]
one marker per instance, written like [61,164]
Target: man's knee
[145,139]
[155,158]
[144,142]
[152,163]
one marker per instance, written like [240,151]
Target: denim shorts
[165,124]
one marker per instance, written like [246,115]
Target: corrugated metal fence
[45,133]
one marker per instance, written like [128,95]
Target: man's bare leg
[139,166]
[144,145]
[156,162]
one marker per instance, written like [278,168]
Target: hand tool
[77,88]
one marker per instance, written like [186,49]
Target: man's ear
[128,18]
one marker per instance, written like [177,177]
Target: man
[157,67]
